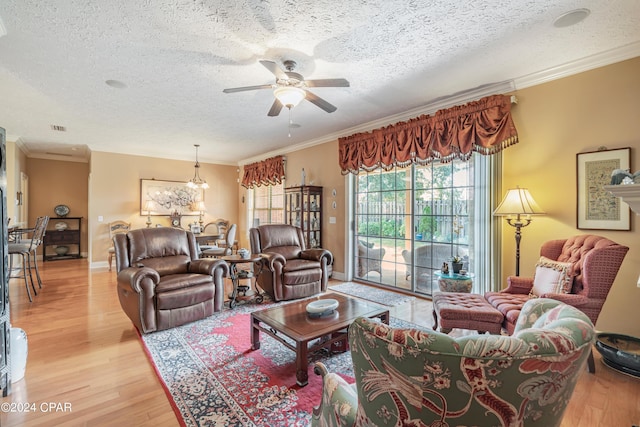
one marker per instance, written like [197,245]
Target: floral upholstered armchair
[426,378]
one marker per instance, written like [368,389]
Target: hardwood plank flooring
[84,352]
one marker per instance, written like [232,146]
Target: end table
[454,282]
[236,276]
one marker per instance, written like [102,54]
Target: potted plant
[456,264]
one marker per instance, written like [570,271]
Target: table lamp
[148,207]
[518,206]
[202,208]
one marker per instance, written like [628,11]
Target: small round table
[236,276]
[454,282]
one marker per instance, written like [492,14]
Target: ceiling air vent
[58,128]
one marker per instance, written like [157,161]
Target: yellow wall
[556,121]
[320,164]
[52,183]
[115,192]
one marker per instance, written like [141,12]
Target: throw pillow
[552,277]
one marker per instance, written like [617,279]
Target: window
[409,221]
[268,204]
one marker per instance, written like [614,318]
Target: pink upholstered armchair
[595,263]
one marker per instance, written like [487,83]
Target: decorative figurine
[445,268]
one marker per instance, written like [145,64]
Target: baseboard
[338,275]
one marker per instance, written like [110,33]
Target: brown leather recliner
[289,270]
[161,281]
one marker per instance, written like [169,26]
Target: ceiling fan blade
[273,67]
[327,83]
[245,88]
[315,99]
[276,107]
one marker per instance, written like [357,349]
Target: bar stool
[27,249]
[24,250]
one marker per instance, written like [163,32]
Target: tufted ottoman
[465,311]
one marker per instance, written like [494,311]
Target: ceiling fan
[290,88]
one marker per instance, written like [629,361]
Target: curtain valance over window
[266,172]
[484,126]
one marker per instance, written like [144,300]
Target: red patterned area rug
[214,378]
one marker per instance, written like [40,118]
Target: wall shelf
[629,193]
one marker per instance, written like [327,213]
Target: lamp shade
[518,201]
[289,96]
[199,206]
[148,206]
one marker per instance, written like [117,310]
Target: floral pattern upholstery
[426,378]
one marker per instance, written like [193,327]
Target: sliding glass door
[409,221]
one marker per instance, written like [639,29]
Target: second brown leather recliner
[289,270]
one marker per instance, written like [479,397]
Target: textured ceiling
[176,56]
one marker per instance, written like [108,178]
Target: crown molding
[58,157]
[598,60]
[20,144]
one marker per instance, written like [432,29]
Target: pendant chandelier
[196,181]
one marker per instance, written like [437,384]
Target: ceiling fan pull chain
[290,122]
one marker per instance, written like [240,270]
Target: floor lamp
[518,206]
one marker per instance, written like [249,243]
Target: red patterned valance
[484,126]
[266,172]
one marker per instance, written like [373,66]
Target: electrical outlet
[332,220]
[100,218]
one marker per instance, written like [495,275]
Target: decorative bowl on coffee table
[322,307]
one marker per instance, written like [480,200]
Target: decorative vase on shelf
[62,250]
[303,178]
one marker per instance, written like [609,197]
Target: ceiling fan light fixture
[289,96]
[196,181]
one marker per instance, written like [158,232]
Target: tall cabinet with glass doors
[303,208]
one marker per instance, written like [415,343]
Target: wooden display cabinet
[69,237]
[303,208]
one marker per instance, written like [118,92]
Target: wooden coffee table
[292,321]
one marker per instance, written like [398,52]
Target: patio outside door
[410,221]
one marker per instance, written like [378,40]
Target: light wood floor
[84,352]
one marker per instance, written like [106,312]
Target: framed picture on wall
[169,197]
[597,208]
